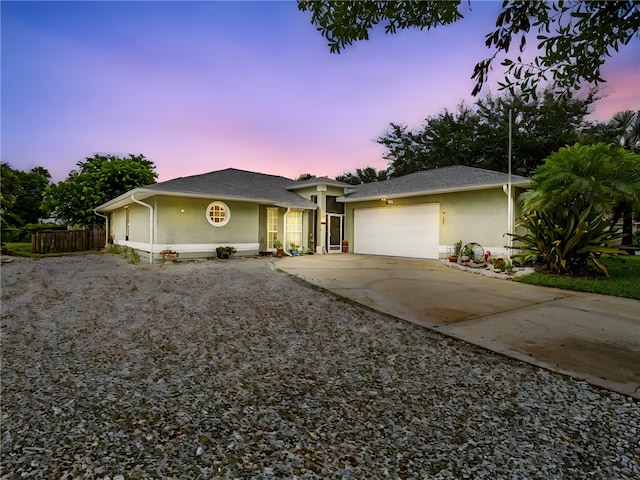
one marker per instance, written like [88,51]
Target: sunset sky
[201,86]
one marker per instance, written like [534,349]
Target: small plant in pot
[225,252]
[294,248]
[467,253]
[169,255]
[457,252]
[277,244]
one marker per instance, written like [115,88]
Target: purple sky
[201,86]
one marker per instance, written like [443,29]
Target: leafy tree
[363,175]
[406,150]
[9,192]
[304,176]
[574,37]
[603,176]
[97,180]
[477,136]
[444,139]
[22,194]
[33,185]
[599,132]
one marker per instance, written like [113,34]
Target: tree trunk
[627,226]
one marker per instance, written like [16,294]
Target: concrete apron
[591,337]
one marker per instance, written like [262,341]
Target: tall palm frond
[627,124]
[601,174]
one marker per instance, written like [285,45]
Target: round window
[218,214]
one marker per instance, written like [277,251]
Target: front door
[334,240]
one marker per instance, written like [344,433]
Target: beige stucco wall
[184,221]
[181,224]
[138,224]
[475,216]
[118,225]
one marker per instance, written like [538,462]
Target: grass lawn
[24,250]
[20,249]
[624,280]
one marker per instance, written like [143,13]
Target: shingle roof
[317,181]
[242,185]
[437,180]
[228,184]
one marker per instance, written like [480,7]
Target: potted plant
[457,252]
[277,244]
[225,252]
[500,264]
[467,252]
[294,249]
[169,255]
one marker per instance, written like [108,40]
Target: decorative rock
[221,360]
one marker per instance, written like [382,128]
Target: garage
[401,231]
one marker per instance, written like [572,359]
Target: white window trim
[270,246]
[295,229]
[227,213]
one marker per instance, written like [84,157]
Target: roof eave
[122,200]
[346,199]
[142,193]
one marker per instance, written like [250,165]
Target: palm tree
[627,125]
[605,176]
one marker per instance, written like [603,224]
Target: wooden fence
[61,241]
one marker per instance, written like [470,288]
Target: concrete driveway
[587,336]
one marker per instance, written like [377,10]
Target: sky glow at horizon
[202,86]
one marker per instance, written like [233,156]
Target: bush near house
[567,241]
[564,212]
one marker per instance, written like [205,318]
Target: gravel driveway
[232,369]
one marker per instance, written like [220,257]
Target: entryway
[335,232]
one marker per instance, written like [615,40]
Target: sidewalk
[586,336]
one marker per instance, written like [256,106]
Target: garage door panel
[406,231]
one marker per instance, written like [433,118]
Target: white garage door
[399,231]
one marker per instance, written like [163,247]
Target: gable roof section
[454,178]
[318,181]
[228,184]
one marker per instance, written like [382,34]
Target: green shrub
[567,240]
[114,249]
[129,254]
[134,256]
[10,234]
[30,228]
[457,249]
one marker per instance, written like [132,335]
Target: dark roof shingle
[236,184]
[445,179]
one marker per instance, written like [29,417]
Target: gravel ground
[232,369]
